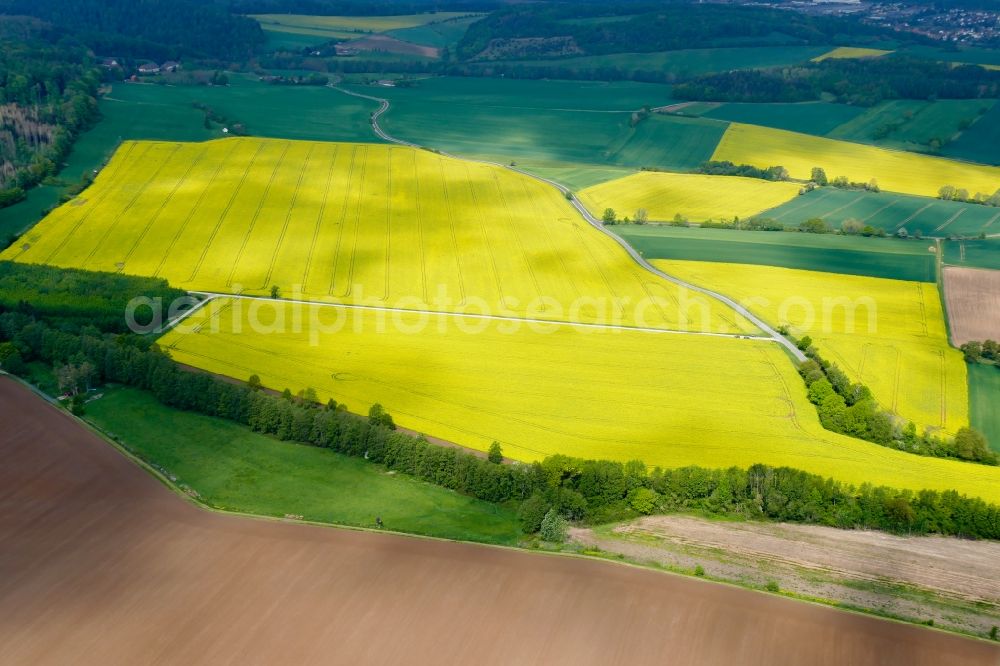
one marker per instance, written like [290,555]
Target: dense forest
[73,297]
[84,355]
[644,27]
[860,81]
[48,90]
[152,29]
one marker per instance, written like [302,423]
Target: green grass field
[979,142]
[967,55]
[233,468]
[886,258]
[808,117]
[530,121]
[973,254]
[439,34]
[984,396]
[917,123]
[932,217]
[683,63]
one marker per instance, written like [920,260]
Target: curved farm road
[100,563]
[594,222]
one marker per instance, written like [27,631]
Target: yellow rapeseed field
[895,171]
[851,52]
[889,334]
[696,197]
[668,399]
[378,225]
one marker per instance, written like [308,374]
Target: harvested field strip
[973,299]
[362,224]
[948,580]
[180,577]
[474,382]
[888,334]
[895,171]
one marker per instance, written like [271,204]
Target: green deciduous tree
[495,454]
[553,527]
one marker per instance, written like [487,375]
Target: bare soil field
[952,581]
[973,299]
[392,45]
[100,563]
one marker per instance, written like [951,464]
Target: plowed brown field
[99,563]
[973,299]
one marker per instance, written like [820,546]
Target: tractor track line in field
[211,295]
[597,224]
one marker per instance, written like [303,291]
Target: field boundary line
[476,315]
[597,224]
[184,315]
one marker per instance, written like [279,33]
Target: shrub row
[586,490]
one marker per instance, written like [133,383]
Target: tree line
[986,352]
[643,27]
[154,29]
[545,493]
[359,7]
[849,408]
[71,297]
[48,95]
[857,81]
[727,168]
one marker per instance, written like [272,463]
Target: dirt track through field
[99,563]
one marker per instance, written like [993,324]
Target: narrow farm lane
[594,222]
